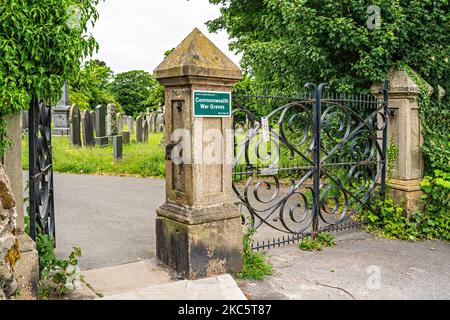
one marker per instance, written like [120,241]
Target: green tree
[41,46]
[286,43]
[132,90]
[90,87]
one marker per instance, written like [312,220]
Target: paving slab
[149,280]
[359,267]
[216,288]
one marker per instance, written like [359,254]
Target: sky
[134,34]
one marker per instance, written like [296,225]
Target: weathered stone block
[200,250]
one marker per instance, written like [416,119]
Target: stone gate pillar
[198,229]
[404,126]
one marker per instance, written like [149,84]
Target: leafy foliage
[435,221]
[435,118]
[391,221]
[323,239]
[41,43]
[328,40]
[132,90]
[89,88]
[254,264]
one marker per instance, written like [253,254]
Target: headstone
[61,114]
[119,122]
[139,129]
[153,122]
[88,130]
[145,131]
[159,120]
[93,121]
[126,137]
[75,123]
[111,121]
[100,124]
[131,124]
[117,147]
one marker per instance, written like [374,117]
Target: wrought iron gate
[314,163]
[42,211]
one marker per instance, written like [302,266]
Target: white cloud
[134,34]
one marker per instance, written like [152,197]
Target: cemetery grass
[139,160]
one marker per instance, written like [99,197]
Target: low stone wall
[9,245]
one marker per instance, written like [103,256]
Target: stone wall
[9,247]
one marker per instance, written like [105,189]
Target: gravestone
[119,122]
[117,147]
[88,130]
[126,137]
[61,114]
[159,120]
[93,122]
[130,124]
[111,121]
[139,129]
[153,119]
[145,131]
[75,126]
[100,124]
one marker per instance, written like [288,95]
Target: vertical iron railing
[41,209]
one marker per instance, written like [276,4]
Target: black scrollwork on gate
[42,212]
[319,163]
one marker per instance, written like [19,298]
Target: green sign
[212,104]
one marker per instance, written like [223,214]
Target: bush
[254,264]
[391,221]
[435,220]
[323,239]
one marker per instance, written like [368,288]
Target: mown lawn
[140,160]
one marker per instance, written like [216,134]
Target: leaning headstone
[75,129]
[111,121]
[126,137]
[131,124]
[61,114]
[88,130]
[117,147]
[145,131]
[139,129]
[100,125]
[119,122]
